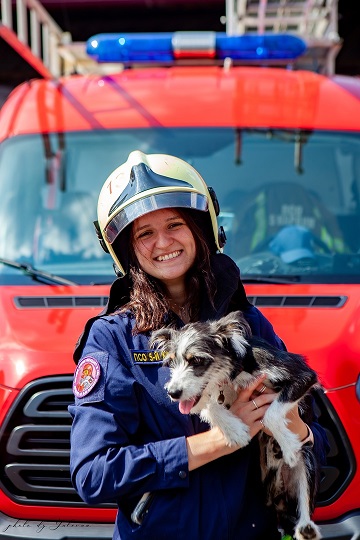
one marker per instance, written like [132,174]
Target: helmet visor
[145,205]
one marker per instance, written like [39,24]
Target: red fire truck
[277,135]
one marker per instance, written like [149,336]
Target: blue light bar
[259,47]
[137,47]
[167,47]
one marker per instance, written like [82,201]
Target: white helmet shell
[145,183]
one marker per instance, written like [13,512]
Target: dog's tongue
[186,406]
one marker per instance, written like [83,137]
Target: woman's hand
[295,423]
[209,445]
[250,406]
[252,403]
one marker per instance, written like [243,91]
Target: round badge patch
[86,376]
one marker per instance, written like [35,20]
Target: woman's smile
[168,256]
[164,245]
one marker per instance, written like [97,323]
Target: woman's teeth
[168,256]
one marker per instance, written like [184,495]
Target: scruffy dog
[208,362]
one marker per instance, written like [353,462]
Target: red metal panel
[183,96]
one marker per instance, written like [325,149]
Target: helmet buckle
[100,237]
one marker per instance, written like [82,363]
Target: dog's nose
[175,394]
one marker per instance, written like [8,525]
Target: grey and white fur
[213,359]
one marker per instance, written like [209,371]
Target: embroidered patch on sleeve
[86,376]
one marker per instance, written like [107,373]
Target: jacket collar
[229,287]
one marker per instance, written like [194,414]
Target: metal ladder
[34,35]
[315,21]
[38,39]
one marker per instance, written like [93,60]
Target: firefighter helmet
[145,183]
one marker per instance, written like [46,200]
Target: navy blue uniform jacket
[128,437]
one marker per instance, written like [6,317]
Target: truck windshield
[290,199]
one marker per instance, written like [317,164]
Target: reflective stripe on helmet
[149,204]
[142,179]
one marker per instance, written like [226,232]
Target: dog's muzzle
[185,405]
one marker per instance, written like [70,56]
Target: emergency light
[167,47]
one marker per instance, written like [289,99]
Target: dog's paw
[310,531]
[236,433]
[291,458]
[240,436]
[236,440]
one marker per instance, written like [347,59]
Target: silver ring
[262,423]
[262,389]
[255,404]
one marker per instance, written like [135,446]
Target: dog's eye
[196,361]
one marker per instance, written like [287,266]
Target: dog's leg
[275,420]
[234,430]
[291,490]
[305,529]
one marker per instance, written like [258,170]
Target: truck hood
[39,326]
[318,321]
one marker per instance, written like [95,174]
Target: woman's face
[164,245]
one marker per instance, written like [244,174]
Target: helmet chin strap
[222,236]
[100,237]
[117,271]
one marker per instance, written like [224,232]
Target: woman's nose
[163,239]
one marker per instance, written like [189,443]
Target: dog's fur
[205,357]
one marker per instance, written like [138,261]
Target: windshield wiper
[36,274]
[250,278]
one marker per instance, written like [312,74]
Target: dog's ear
[232,329]
[234,322]
[243,325]
[159,338]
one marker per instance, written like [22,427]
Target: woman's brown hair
[148,300]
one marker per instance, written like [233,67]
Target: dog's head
[201,353]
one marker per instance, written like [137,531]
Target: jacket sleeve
[106,461]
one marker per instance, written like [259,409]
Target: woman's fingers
[246,393]
[256,405]
[250,406]
[261,389]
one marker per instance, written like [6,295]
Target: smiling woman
[165,249]
[158,220]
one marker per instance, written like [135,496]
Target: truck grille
[35,442]
[34,461]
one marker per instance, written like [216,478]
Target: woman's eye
[143,235]
[175,225]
